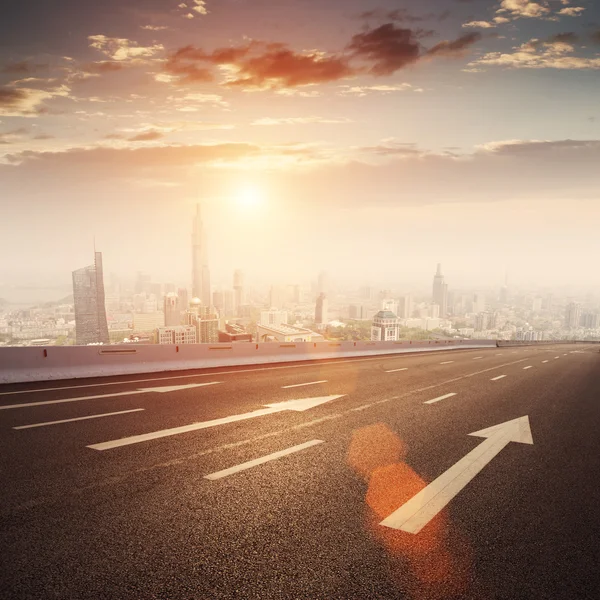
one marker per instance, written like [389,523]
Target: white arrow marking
[172,388]
[296,405]
[422,508]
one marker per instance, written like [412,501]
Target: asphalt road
[91,510]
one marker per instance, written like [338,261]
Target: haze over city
[371,140]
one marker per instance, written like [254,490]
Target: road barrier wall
[18,365]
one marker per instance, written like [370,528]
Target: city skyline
[319,135]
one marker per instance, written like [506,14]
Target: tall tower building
[238,289]
[440,292]
[321,316]
[200,272]
[572,315]
[172,310]
[90,310]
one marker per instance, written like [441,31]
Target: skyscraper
[440,292]
[201,272]
[90,311]
[172,310]
[572,315]
[238,288]
[321,316]
[323,283]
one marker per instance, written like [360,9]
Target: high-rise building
[321,310]
[208,330]
[277,296]
[385,327]
[358,312]
[90,311]
[572,315]
[434,311]
[405,307]
[479,302]
[238,289]
[482,321]
[183,299]
[229,305]
[590,320]
[273,317]
[389,304]
[440,292]
[172,310]
[201,272]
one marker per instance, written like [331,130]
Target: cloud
[455,47]
[401,15]
[259,65]
[147,136]
[154,27]
[297,121]
[7,137]
[539,55]
[27,102]
[524,8]
[479,24]
[122,162]
[388,48]
[23,67]
[364,90]
[122,49]
[571,11]
[105,66]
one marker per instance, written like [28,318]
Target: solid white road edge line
[440,398]
[121,412]
[287,387]
[262,460]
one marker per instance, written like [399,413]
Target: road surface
[345,479]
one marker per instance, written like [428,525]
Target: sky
[371,139]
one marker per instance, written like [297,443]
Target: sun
[249,196]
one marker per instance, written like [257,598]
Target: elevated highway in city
[462,473]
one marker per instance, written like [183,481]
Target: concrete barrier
[19,365]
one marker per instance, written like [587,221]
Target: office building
[208,330]
[183,299]
[440,292]
[479,303]
[273,318]
[572,315]
[590,321]
[434,311]
[148,322]
[90,311]
[481,321]
[358,312]
[181,334]
[405,307]
[322,310]
[238,290]
[172,310]
[389,304]
[200,269]
[385,327]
